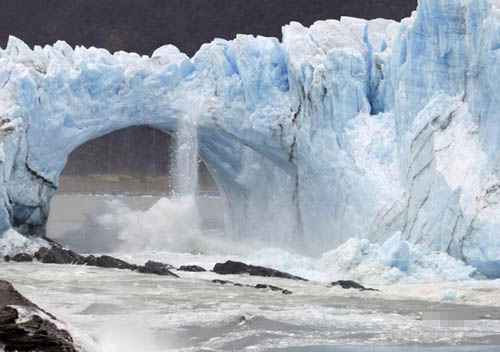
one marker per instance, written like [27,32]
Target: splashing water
[170,224]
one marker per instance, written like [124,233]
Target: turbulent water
[113,310]
[118,310]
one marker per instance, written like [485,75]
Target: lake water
[111,310]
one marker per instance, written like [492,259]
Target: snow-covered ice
[12,243]
[394,261]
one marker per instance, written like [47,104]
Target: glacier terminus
[375,130]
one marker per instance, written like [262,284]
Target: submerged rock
[231,267]
[258,286]
[192,268]
[36,332]
[226,282]
[348,284]
[156,268]
[273,288]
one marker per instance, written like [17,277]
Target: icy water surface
[113,310]
[122,311]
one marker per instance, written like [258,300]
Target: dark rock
[91,260]
[9,296]
[156,268]
[258,286]
[119,25]
[8,315]
[58,255]
[36,334]
[226,282]
[7,258]
[22,258]
[348,284]
[231,267]
[106,261]
[168,266]
[192,268]
[273,288]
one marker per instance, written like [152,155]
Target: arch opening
[122,185]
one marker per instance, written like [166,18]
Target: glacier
[346,129]
[393,262]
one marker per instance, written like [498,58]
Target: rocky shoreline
[59,255]
[26,327]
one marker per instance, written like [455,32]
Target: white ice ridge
[349,128]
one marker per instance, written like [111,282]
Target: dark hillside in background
[142,26]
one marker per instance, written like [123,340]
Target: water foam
[167,225]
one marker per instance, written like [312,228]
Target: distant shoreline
[204,194]
[118,184]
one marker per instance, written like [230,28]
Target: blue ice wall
[349,128]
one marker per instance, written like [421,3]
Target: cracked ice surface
[349,128]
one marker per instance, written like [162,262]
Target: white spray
[171,224]
[186,175]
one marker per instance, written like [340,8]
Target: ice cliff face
[345,129]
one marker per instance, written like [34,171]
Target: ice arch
[63,98]
[347,128]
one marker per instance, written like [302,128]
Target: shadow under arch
[134,160]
